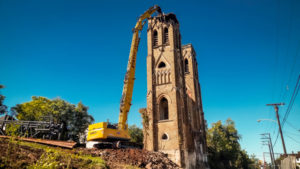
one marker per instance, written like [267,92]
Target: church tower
[165,88]
[169,126]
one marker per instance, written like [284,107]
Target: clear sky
[247,52]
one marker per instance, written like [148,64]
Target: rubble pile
[19,154]
[134,157]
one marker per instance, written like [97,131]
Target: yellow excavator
[104,134]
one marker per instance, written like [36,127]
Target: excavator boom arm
[129,77]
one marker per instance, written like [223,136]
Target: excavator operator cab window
[112,126]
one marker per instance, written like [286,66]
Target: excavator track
[62,144]
[118,145]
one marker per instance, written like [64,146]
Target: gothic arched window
[166,35]
[186,66]
[155,38]
[164,109]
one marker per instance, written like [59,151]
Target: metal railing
[33,129]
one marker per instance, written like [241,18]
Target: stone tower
[173,121]
[194,101]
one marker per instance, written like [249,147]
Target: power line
[294,134]
[276,108]
[291,125]
[276,136]
[293,139]
[276,139]
[270,126]
[276,49]
[295,93]
[288,44]
[289,107]
[276,55]
[293,68]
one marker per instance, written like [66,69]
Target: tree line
[75,118]
[224,150]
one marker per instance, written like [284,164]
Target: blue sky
[247,52]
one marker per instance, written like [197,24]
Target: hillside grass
[46,157]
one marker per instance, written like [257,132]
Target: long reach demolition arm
[129,77]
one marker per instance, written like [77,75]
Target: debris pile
[133,157]
[15,153]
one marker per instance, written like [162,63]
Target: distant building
[175,123]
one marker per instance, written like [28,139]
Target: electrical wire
[292,69]
[276,50]
[291,125]
[293,139]
[289,107]
[288,46]
[276,139]
[295,93]
[270,126]
[297,135]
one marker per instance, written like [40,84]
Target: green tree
[75,118]
[255,162]
[224,148]
[136,134]
[3,107]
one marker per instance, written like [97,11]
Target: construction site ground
[21,154]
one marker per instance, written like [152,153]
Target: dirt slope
[19,154]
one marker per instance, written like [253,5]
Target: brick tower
[173,121]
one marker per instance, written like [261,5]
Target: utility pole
[278,121]
[272,148]
[268,137]
[264,160]
[266,143]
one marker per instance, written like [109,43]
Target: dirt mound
[19,154]
[133,157]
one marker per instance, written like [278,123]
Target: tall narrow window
[186,66]
[166,35]
[155,38]
[164,109]
[178,41]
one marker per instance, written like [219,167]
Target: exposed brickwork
[174,120]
